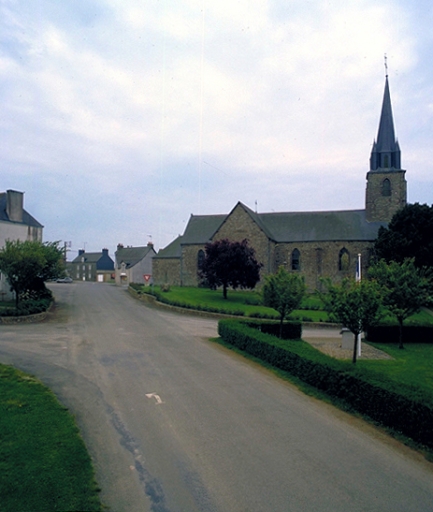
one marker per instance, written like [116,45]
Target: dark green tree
[404,287]
[27,265]
[356,305]
[229,264]
[408,235]
[283,292]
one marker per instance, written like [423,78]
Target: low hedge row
[390,334]
[399,408]
[290,330]
[28,307]
[198,307]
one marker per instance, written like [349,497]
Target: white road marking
[156,397]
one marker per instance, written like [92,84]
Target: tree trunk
[400,333]
[225,291]
[355,348]
[281,326]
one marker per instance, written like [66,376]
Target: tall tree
[28,264]
[405,288]
[408,235]
[283,292]
[231,264]
[356,305]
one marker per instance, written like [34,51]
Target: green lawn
[412,366]
[44,465]
[247,303]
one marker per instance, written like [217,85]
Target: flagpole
[358,279]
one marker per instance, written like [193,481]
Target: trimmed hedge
[390,334]
[400,408]
[290,330]
[197,307]
[28,307]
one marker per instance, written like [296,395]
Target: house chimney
[80,252]
[149,244]
[14,206]
[105,252]
[119,246]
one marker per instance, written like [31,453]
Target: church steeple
[386,150]
[386,184]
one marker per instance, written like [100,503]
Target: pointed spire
[386,151]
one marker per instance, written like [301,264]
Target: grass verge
[44,464]
[239,302]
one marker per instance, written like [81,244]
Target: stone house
[315,244]
[134,264]
[15,224]
[92,266]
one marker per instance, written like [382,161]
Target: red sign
[147,277]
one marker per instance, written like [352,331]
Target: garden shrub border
[390,334]
[397,407]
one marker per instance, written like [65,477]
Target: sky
[121,118]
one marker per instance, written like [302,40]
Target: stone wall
[322,259]
[381,207]
[239,226]
[166,270]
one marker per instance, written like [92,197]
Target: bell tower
[386,184]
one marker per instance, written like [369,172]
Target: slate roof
[132,255]
[102,259]
[173,250]
[28,220]
[349,225]
[89,257]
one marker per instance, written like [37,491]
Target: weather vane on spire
[386,66]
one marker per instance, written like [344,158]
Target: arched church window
[200,259]
[343,259]
[386,161]
[386,187]
[296,260]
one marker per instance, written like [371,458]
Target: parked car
[64,280]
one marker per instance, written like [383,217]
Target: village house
[134,264]
[92,266]
[15,224]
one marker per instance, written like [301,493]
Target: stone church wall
[318,260]
[239,226]
[166,271]
[380,206]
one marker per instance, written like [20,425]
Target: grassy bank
[412,366]
[249,304]
[44,465]
[239,302]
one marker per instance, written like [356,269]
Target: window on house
[296,260]
[386,187]
[200,259]
[343,259]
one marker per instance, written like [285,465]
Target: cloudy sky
[121,118]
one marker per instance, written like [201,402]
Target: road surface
[175,422]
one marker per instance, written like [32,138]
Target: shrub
[390,334]
[29,307]
[290,331]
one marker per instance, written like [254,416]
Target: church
[315,244]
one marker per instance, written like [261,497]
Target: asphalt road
[175,422]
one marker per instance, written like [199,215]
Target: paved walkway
[328,341]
